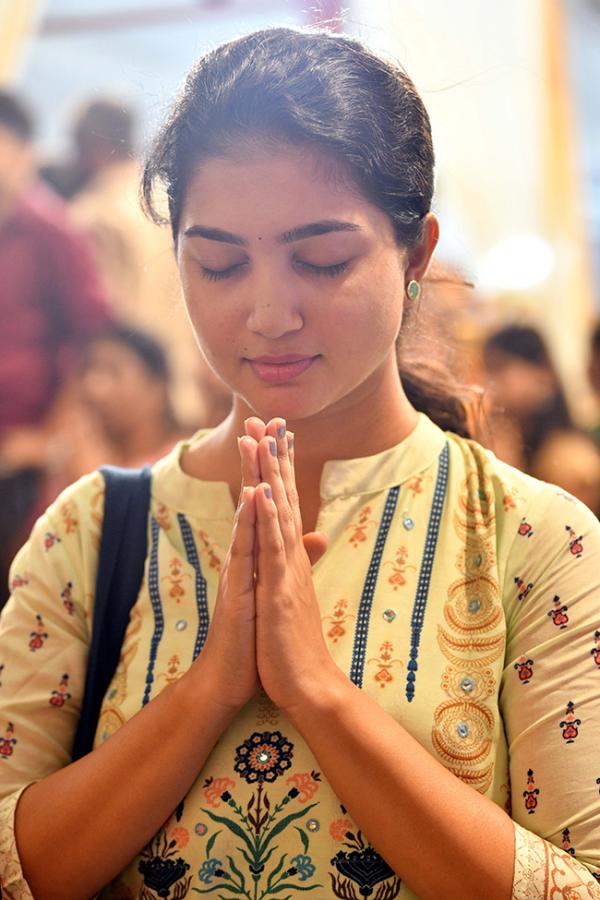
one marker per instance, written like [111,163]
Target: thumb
[315,544]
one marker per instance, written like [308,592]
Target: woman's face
[293,281]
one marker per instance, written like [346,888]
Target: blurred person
[525,396]
[134,256]
[594,377]
[50,301]
[571,459]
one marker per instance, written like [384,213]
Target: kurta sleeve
[44,639]
[550,698]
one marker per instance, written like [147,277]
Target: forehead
[276,189]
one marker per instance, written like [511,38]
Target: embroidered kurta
[461,594]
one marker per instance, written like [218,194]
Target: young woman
[351,653]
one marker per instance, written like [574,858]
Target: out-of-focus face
[118,388]
[517,386]
[16,164]
[294,282]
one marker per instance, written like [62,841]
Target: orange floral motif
[415,485]
[181,836]
[307,783]
[172,673]
[339,829]
[399,567]
[359,529]
[338,620]
[163,517]
[209,547]
[214,787]
[175,579]
[384,662]
[69,520]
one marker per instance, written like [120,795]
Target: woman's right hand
[228,658]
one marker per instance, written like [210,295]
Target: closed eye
[218,274]
[331,271]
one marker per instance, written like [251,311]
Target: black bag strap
[120,571]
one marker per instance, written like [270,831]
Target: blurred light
[516,264]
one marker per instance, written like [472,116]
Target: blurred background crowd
[97,361]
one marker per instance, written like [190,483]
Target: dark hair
[15,116]
[322,91]
[106,122]
[148,350]
[520,341]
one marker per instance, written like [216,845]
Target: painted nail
[290,442]
[268,493]
[273,448]
[281,429]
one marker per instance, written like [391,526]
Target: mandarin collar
[340,477]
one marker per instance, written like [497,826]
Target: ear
[419,255]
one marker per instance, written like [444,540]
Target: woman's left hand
[292,657]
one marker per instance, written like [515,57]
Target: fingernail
[281,429]
[290,442]
[268,493]
[273,448]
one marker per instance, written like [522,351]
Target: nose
[274,305]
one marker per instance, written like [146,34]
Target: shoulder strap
[120,571]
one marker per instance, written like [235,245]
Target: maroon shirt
[50,300]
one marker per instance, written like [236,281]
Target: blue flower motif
[264,756]
[304,866]
[208,870]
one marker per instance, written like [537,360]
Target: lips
[279,369]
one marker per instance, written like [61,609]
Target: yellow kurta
[459,593]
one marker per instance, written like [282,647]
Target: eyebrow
[313,229]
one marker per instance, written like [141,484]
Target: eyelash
[328,271]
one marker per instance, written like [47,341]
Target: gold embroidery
[472,638]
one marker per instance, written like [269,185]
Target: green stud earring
[413,290]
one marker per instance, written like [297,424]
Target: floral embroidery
[362,866]
[415,485]
[214,561]
[50,539]
[595,651]
[68,516]
[340,829]
[525,529]
[264,756]
[566,842]
[162,516]
[37,637]
[559,613]
[172,673]
[59,697]
[359,529]
[175,578]
[67,598]
[339,619]
[18,581]
[570,725]
[575,545]
[214,787]
[531,793]
[384,662]
[181,836]
[399,568]
[164,872]
[307,784]
[7,743]
[524,589]
[524,669]
[111,717]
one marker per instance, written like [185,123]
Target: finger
[255,428]
[248,449]
[241,551]
[315,544]
[271,546]
[271,473]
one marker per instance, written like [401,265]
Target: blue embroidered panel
[431,539]
[366,600]
[201,590]
[159,621]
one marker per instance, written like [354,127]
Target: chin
[293,405]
